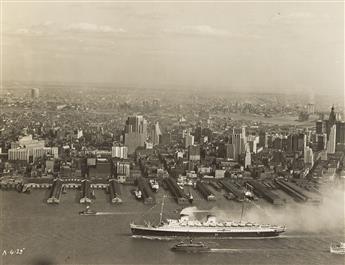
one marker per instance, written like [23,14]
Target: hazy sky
[273,46]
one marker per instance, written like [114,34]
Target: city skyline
[280,47]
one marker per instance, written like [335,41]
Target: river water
[56,234]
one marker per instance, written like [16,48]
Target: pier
[298,193]
[260,190]
[55,192]
[176,191]
[86,192]
[115,191]
[148,196]
[229,187]
[205,191]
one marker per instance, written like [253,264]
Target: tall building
[253,142]
[188,140]
[119,151]
[194,153]
[308,156]
[263,139]
[237,142]
[310,108]
[331,140]
[135,133]
[122,168]
[243,134]
[331,121]
[321,142]
[35,93]
[320,127]
[155,134]
[229,151]
[296,142]
[340,135]
[247,158]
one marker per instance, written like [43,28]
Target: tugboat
[88,211]
[337,248]
[190,247]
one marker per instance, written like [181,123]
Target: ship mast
[161,212]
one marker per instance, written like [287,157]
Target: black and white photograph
[148,132]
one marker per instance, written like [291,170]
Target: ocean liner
[184,227]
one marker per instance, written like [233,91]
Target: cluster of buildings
[181,151]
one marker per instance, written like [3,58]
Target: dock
[297,193]
[114,191]
[261,190]
[55,192]
[230,187]
[176,191]
[205,191]
[148,196]
[86,192]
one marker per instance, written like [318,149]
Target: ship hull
[203,234]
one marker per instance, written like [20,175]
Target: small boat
[190,247]
[88,211]
[337,248]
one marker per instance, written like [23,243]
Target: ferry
[190,247]
[338,248]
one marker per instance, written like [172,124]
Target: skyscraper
[188,140]
[236,140]
[331,140]
[35,93]
[310,108]
[320,127]
[331,121]
[119,151]
[229,151]
[248,158]
[155,134]
[135,133]
[194,153]
[340,136]
[308,156]
[321,142]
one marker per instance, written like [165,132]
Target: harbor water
[57,234]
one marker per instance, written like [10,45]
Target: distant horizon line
[164,87]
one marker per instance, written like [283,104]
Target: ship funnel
[184,217]
[211,219]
